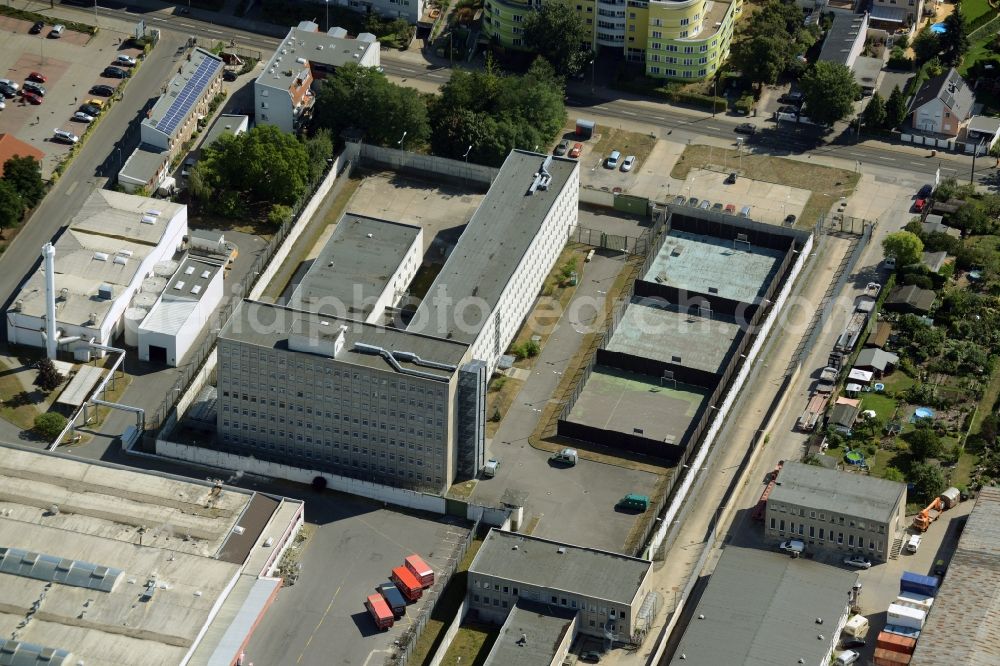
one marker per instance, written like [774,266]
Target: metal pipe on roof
[49,255]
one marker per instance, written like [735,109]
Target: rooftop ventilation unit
[189,270]
[196,289]
[205,274]
[148,219]
[121,260]
[101,256]
[125,253]
[105,292]
[179,285]
[154,213]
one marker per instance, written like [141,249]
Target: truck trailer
[379,610]
[905,616]
[407,583]
[420,570]
[914,582]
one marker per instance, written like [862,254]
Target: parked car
[576,150]
[718,207]
[846,658]
[90,110]
[613,159]
[561,148]
[796,98]
[746,128]
[99,103]
[37,27]
[7,91]
[114,73]
[693,202]
[852,643]
[919,205]
[82,117]
[37,77]
[57,30]
[229,75]
[790,220]
[925,191]
[490,468]
[913,543]
[628,163]
[3,105]
[730,179]
[793,547]
[705,205]
[679,200]
[31,98]
[126,60]
[10,84]
[730,209]
[102,90]
[64,136]
[590,657]
[858,561]
[793,110]
[31,86]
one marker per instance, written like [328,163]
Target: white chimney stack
[49,253]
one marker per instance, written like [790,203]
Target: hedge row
[33,17]
[674,96]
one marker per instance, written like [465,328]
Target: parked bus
[407,583]
[379,610]
[423,573]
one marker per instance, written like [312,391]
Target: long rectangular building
[329,389]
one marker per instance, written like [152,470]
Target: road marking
[72,187]
[659,118]
[320,624]
[213,32]
[602,108]
[407,70]
[629,113]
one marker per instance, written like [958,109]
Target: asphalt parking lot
[769,202]
[321,619]
[71,65]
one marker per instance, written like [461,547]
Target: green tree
[875,115]
[363,98]
[25,175]
[926,45]
[557,33]
[49,425]
[907,248]
[320,149]
[263,164]
[11,206]
[895,108]
[893,474]
[954,41]
[927,480]
[762,57]
[830,91]
[924,443]
[48,378]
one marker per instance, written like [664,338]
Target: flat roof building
[123,566]
[963,627]
[533,633]
[434,372]
[606,589]
[762,608]
[365,267]
[283,94]
[169,330]
[837,510]
[112,243]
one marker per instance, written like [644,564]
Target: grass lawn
[445,610]
[472,645]
[898,382]
[975,8]
[499,398]
[625,142]
[827,184]
[883,405]
[988,401]
[22,416]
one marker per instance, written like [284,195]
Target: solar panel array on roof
[16,653]
[18,562]
[188,95]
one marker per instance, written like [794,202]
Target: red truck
[407,583]
[379,610]
[423,573]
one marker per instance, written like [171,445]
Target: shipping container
[905,616]
[913,582]
[914,600]
[890,658]
[909,632]
[379,610]
[890,641]
[407,583]
[423,573]
[393,597]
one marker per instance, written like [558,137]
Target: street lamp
[466,155]
[400,142]
[972,174]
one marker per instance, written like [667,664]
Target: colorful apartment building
[673,39]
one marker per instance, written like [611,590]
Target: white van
[793,547]
[745,212]
[57,31]
[613,159]
[913,543]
